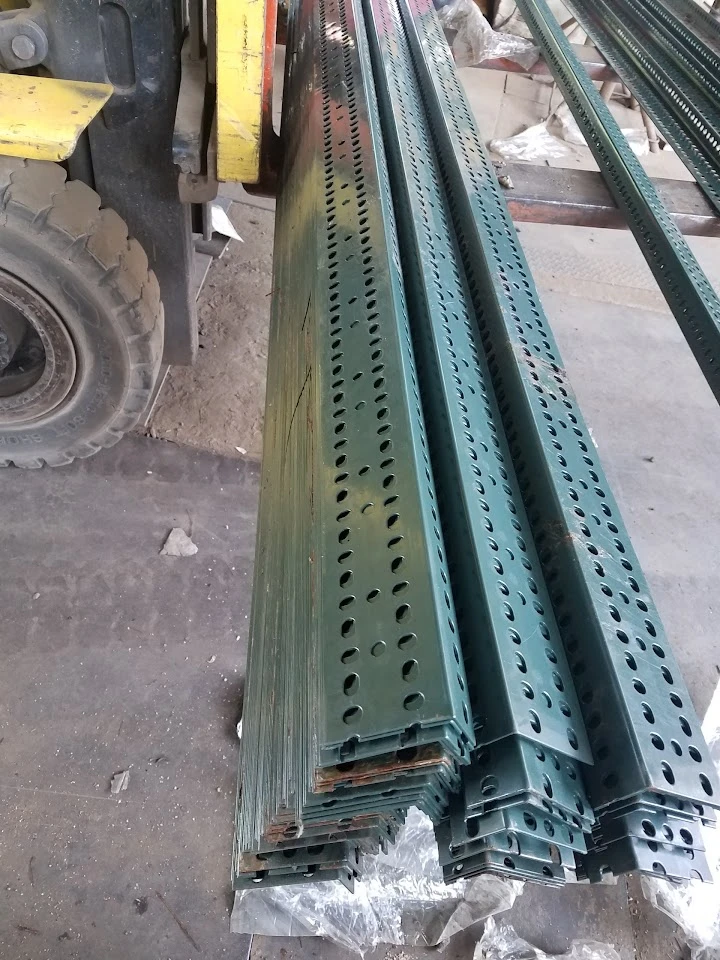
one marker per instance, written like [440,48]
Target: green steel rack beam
[642,728]
[354,653]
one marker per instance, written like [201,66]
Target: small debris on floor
[178,544]
[141,905]
[36,596]
[120,781]
[241,450]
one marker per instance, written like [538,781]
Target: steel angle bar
[299,859]
[429,800]
[353,648]
[383,832]
[679,122]
[429,759]
[520,818]
[513,768]
[330,830]
[445,779]
[369,794]
[660,803]
[507,842]
[647,856]
[380,623]
[519,679]
[345,871]
[649,826]
[685,287]
[504,864]
[633,696]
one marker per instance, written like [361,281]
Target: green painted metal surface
[698,61]
[699,20]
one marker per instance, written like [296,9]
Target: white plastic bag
[557,137]
[500,942]
[476,41]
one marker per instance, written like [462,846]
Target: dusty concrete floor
[218,404]
[115,658]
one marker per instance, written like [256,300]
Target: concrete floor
[116,658]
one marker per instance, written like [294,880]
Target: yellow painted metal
[41,119]
[240,63]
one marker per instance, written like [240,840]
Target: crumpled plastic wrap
[533,143]
[500,942]
[475,40]
[695,906]
[557,137]
[508,18]
[401,900]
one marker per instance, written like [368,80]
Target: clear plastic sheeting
[401,900]
[557,137]
[533,144]
[473,40]
[695,906]
[500,942]
[508,18]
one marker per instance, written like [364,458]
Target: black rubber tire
[58,242]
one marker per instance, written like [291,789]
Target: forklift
[118,121]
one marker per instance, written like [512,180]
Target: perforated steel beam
[642,728]
[508,634]
[354,650]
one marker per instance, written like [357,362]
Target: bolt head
[23,47]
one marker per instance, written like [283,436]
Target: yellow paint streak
[41,119]
[240,56]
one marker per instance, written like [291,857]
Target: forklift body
[149,106]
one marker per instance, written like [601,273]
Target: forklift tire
[81,320]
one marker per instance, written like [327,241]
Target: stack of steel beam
[646,740]
[528,726]
[356,702]
[447,609]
